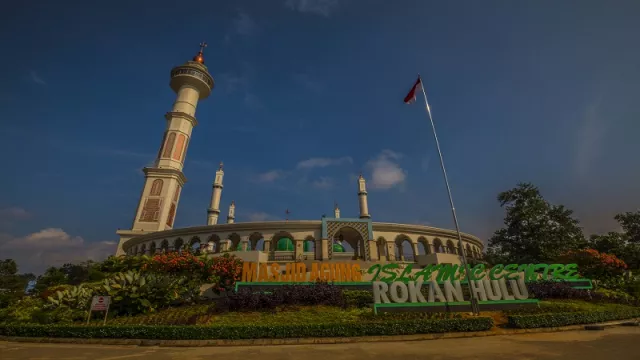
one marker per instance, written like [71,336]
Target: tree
[630,222]
[52,276]
[535,231]
[12,284]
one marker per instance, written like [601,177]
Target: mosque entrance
[348,238]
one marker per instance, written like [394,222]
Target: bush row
[318,294]
[250,331]
[569,318]
[543,290]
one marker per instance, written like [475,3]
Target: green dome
[239,247]
[338,248]
[285,244]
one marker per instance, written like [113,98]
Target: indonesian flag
[411,96]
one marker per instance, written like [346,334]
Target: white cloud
[244,24]
[270,176]
[36,79]
[323,183]
[51,247]
[319,7]
[385,171]
[323,162]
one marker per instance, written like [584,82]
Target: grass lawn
[199,314]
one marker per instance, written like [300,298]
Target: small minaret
[362,196]
[214,209]
[336,211]
[231,218]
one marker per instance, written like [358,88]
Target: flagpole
[474,304]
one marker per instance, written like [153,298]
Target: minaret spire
[336,210]
[231,218]
[214,209]
[362,197]
[164,180]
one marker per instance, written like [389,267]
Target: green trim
[526,301]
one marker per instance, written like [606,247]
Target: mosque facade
[327,239]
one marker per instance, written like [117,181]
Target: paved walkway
[618,343]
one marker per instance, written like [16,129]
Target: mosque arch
[423,244]
[451,248]
[469,251]
[381,243]
[438,246]
[164,246]
[235,242]
[152,248]
[213,243]
[143,249]
[256,241]
[402,242]
[349,238]
[285,245]
[178,244]
[309,244]
[195,245]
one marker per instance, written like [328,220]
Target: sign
[100,303]
[449,295]
[297,272]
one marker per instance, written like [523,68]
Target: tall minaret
[362,196]
[158,203]
[231,218]
[214,209]
[336,211]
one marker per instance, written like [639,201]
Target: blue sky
[541,91]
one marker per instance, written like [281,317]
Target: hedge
[249,331]
[568,318]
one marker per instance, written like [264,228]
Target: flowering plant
[595,265]
[224,271]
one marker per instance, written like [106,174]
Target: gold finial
[221,164]
[200,57]
[335,205]
[233,203]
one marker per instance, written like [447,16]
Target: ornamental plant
[595,265]
[224,271]
[178,263]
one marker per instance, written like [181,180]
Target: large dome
[338,248]
[285,244]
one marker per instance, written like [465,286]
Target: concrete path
[618,343]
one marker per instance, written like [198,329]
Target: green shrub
[76,297]
[253,331]
[358,298]
[570,318]
[22,311]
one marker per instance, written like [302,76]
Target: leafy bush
[76,297]
[133,292]
[358,298]
[21,311]
[253,331]
[545,289]
[318,294]
[570,318]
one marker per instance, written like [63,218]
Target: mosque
[327,239]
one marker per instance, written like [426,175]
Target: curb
[310,341]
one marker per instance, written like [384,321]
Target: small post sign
[100,303]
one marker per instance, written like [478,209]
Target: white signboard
[100,303]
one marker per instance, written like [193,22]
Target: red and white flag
[411,96]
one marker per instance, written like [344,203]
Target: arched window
[156,188]
[152,248]
[171,139]
[175,196]
[177,153]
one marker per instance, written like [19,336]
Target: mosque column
[323,251]
[267,245]
[415,251]
[298,248]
